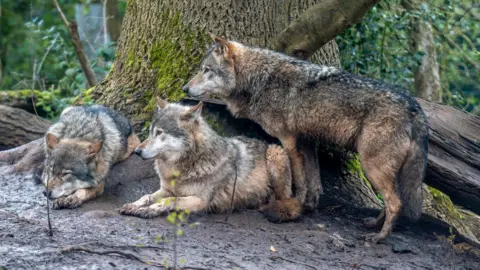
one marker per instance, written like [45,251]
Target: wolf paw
[310,204]
[68,202]
[143,212]
[374,238]
[128,209]
[370,222]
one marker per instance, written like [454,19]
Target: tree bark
[19,127]
[162,43]
[427,73]
[454,153]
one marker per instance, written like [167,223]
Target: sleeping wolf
[206,168]
[291,98]
[80,149]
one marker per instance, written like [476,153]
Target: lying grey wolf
[205,166]
[80,149]
[291,98]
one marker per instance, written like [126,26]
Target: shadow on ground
[329,239]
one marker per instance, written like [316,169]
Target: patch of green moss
[444,201]
[354,166]
[84,98]
[215,125]
[175,59]
[9,95]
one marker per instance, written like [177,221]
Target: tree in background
[393,43]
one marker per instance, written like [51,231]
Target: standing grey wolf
[206,169]
[80,150]
[291,98]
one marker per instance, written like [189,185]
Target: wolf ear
[225,47]
[193,112]
[51,141]
[94,148]
[161,104]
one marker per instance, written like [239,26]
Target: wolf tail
[411,175]
[282,210]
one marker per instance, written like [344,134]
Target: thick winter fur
[80,149]
[198,168]
[292,98]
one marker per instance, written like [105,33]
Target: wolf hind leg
[372,222]
[382,157]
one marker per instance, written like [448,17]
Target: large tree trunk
[162,43]
[427,73]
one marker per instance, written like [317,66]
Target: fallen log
[454,153]
[19,127]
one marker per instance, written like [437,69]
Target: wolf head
[70,165]
[172,132]
[217,71]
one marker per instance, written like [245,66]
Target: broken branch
[77,44]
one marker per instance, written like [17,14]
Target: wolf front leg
[149,199]
[78,197]
[165,205]
[309,148]
[298,168]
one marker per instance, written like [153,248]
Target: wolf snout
[138,151]
[185,88]
[47,193]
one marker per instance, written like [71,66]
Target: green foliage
[378,47]
[36,52]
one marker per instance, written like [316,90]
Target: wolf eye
[66,173]
[206,69]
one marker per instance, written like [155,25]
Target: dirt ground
[328,239]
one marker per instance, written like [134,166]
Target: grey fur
[204,166]
[73,160]
[291,98]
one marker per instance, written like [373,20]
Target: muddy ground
[328,239]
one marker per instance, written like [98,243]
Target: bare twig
[34,78]
[46,53]
[82,57]
[233,193]
[64,19]
[292,261]
[105,32]
[124,254]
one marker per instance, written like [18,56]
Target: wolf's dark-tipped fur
[207,168]
[80,149]
[291,98]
